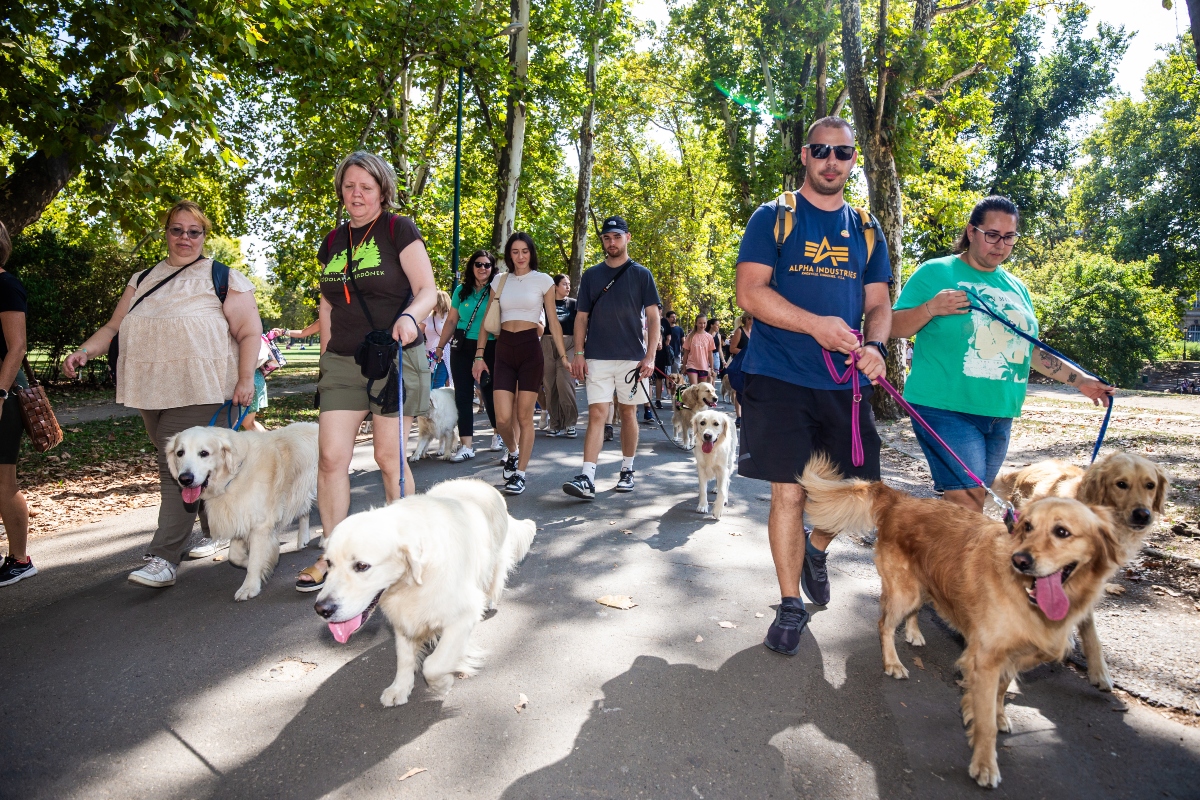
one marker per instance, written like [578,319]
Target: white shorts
[605,377]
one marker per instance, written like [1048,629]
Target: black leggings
[462,361]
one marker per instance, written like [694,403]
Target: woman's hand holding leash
[405,330]
[243,393]
[74,362]
[1099,392]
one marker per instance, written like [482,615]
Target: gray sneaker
[157,573]
[207,547]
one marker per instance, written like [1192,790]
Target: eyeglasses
[844,152]
[991,237]
[482,265]
[179,232]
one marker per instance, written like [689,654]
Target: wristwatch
[3,394]
[881,347]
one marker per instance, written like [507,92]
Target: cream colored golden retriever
[439,426]
[253,483]
[716,456]
[1015,598]
[435,563]
[692,401]
[1133,488]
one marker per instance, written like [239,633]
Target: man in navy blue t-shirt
[808,296]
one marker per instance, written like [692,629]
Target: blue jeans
[981,442]
[441,376]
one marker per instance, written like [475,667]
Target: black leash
[634,376]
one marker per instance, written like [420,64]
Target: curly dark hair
[469,284]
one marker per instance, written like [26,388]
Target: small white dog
[716,456]
[253,483]
[435,563]
[439,426]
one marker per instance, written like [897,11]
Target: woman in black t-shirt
[14,512]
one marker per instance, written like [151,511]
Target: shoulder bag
[36,413]
[491,320]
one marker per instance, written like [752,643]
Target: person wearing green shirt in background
[970,372]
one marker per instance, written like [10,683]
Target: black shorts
[783,425]
[11,429]
[519,362]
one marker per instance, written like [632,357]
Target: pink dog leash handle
[851,374]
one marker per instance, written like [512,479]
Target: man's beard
[613,252]
[829,189]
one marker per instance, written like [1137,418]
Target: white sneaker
[157,573]
[463,454]
[497,442]
[207,547]
[545,423]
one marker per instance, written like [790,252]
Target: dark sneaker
[608,433]
[570,432]
[814,578]
[784,634]
[510,468]
[580,486]
[514,485]
[658,404]
[737,423]
[647,416]
[12,570]
[625,482]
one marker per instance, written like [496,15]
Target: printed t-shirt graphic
[822,268]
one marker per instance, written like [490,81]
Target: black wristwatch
[881,347]
[3,395]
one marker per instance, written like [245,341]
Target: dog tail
[519,539]
[835,505]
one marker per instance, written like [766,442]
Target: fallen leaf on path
[290,669]
[626,532]
[621,601]
[726,624]
[522,703]
[734,533]
[758,615]
[1165,590]
[75,430]
[699,638]
[1114,589]
[415,771]
[920,664]
[219,557]
[612,523]
[904,704]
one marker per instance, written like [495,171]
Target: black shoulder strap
[615,278]
[220,279]
[158,285]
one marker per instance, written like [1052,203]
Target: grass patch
[286,410]
[86,445]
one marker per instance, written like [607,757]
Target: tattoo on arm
[1072,378]
[1052,364]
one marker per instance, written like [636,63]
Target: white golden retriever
[439,426]
[716,456]
[252,483]
[691,401]
[435,563]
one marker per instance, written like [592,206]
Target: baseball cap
[614,224]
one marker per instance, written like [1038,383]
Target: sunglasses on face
[844,152]
[991,237]
[482,265]
[179,232]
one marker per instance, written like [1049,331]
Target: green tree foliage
[1138,192]
[1105,314]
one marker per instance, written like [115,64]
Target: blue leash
[227,407]
[400,419]
[983,307]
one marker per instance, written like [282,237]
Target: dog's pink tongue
[1051,598]
[342,630]
[191,493]
[706,446]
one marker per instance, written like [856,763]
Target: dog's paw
[246,592]
[985,770]
[913,635]
[1098,676]
[440,684]
[896,670]
[1002,722]
[396,694]
[702,508]
[717,509]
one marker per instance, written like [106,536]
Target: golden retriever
[435,563]
[692,400]
[439,426]
[716,456]
[1015,598]
[252,484]
[1133,488]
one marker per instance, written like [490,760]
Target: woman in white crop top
[526,299]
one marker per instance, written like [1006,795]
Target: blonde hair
[746,318]
[442,307]
[188,207]
[377,168]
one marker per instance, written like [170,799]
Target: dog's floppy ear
[412,555]
[1106,529]
[1160,491]
[1094,489]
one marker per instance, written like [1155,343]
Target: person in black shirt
[557,381]
[17,565]
[664,361]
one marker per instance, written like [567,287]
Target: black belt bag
[376,355]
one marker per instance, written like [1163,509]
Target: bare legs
[13,511]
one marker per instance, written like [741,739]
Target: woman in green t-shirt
[970,372]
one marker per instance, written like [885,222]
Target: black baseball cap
[614,224]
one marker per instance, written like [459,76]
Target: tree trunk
[509,177]
[421,175]
[822,99]
[1194,14]
[587,160]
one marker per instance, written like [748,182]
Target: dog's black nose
[186,479]
[326,608]
[1140,516]
[1022,561]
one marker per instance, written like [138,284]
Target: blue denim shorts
[981,442]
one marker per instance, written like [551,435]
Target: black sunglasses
[844,152]
[482,265]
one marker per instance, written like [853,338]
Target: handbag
[491,320]
[36,413]
[460,335]
[269,356]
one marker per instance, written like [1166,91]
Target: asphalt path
[114,690]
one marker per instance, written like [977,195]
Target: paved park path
[112,690]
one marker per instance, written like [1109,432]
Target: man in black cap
[616,337]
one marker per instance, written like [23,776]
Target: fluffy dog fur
[693,400]
[439,426]
[999,590]
[435,563]
[1133,488]
[716,456]
[252,483]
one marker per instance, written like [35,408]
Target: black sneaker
[580,486]
[12,570]
[608,433]
[784,634]
[737,423]
[514,485]
[510,468]
[814,578]
[658,404]
[625,482]
[647,416]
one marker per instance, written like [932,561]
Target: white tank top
[524,296]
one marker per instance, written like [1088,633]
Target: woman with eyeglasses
[461,331]
[184,351]
[970,372]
